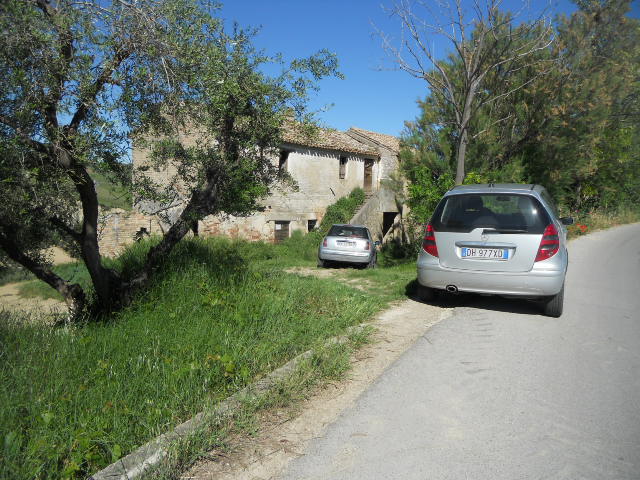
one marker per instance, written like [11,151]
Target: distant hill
[110,193]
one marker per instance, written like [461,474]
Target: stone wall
[317,173]
[117,228]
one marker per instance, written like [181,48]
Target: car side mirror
[566,220]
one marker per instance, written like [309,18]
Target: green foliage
[342,211]
[573,126]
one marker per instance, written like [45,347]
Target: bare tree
[485,43]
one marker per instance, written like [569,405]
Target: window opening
[343,167]
[311,224]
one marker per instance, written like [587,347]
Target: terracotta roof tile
[326,138]
[388,141]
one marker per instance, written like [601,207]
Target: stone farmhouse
[325,166]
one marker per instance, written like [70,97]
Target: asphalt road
[498,391]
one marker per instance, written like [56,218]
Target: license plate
[342,243]
[488,253]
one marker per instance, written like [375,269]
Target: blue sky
[372,96]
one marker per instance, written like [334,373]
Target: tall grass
[74,400]
[587,222]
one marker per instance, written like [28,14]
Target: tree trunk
[463,140]
[201,203]
[461,153]
[106,282]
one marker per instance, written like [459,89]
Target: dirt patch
[315,272]
[37,308]
[59,256]
[40,308]
[282,437]
[340,274]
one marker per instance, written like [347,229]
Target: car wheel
[321,263]
[426,294]
[552,306]
[373,262]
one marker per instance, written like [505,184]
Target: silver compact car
[502,239]
[349,244]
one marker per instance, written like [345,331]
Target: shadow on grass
[343,265]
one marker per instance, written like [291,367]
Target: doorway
[368,175]
[281,231]
[387,221]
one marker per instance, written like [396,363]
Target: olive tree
[81,78]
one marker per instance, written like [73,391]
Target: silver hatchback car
[350,244]
[502,239]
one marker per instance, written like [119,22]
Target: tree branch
[92,93]
[40,147]
[66,229]
[73,293]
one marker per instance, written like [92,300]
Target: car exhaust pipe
[451,289]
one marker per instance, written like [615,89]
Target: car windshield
[347,231]
[505,213]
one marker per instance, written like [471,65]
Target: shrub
[342,211]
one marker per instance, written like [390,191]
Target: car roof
[347,225]
[496,188]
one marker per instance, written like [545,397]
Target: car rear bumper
[534,283]
[340,256]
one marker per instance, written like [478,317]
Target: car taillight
[429,242]
[324,242]
[367,246]
[550,243]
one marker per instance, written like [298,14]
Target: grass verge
[586,222]
[219,315]
[328,363]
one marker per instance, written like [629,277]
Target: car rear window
[506,213]
[347,231]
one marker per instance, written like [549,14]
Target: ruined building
[325,166]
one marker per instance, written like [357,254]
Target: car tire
[553,306]
[321,263]
[426,294]
[373,262]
